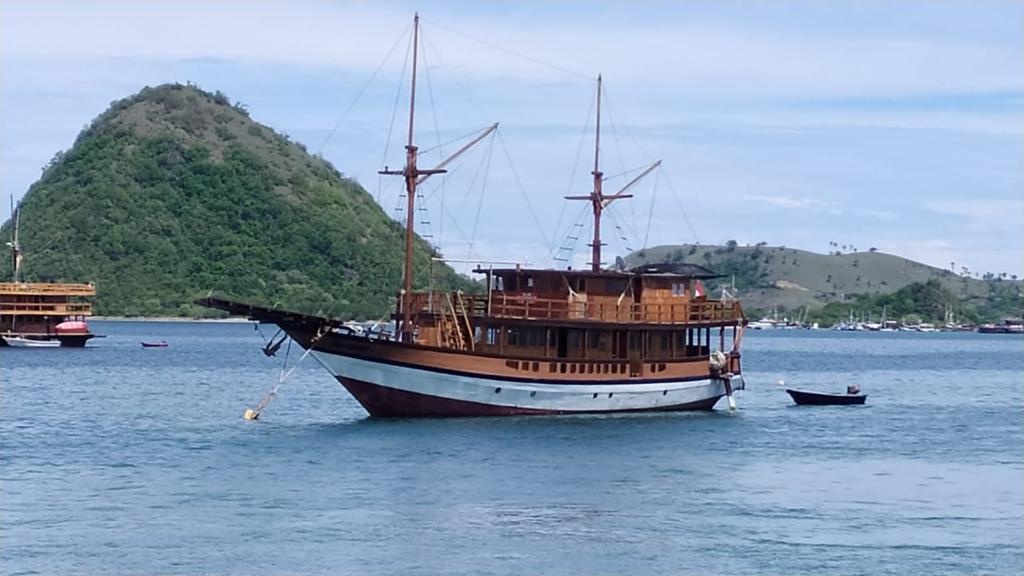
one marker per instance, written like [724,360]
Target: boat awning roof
[666,270]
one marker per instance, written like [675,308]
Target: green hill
[787,280]
[174,192]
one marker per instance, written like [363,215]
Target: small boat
[160,344]
[805,398]
[19,342]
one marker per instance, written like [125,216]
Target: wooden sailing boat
[538,341]
[42,314]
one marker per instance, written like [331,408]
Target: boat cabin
[654,312]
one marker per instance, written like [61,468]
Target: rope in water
[254,414]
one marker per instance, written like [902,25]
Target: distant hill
[174,192]
[786,279]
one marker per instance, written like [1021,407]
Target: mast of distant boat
[15,245]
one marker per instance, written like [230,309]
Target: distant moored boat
[806,398]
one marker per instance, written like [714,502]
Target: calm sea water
[115,459]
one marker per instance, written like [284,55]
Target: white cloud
[787,202]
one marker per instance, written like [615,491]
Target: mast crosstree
[413,177]
[598,200]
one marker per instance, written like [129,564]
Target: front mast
[412,175]
[595,252]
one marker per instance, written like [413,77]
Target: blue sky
[873,124]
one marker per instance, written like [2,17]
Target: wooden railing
[46,308]
[46,289]
[503,305]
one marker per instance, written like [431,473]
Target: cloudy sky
[871,124]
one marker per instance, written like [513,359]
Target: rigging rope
[439,147]
[364,88]
[522,190]
[480,204]
[650,213]
[512,52]
[668,181]
[394,114]
[575,166]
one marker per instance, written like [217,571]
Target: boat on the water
[27,342]
[52,312]
[1007,326]
[808,398]
[160,344]
[537,341]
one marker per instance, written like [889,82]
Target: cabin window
[533,337]
[581,285]
[679,289]
[574,342]
[664,342]
[594,339]
[499,284]
[635,340]
[615,285]
[492,336]
[529,284]
[513,337]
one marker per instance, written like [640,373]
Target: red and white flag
[698,289]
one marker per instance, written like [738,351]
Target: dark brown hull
[382,401]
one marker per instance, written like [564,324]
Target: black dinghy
[805,398]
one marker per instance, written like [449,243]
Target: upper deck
[45,299]
[653,295]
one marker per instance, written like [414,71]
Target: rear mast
[598,199]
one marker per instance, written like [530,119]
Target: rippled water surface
[115,459]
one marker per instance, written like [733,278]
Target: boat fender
[718,361]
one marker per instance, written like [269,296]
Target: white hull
[18,342]
[461,392]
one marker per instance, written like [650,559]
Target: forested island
[175,192]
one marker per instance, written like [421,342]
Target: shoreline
[235,319]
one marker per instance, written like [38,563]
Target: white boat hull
[388,389]
[19,342]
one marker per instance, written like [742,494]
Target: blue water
[119,460]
